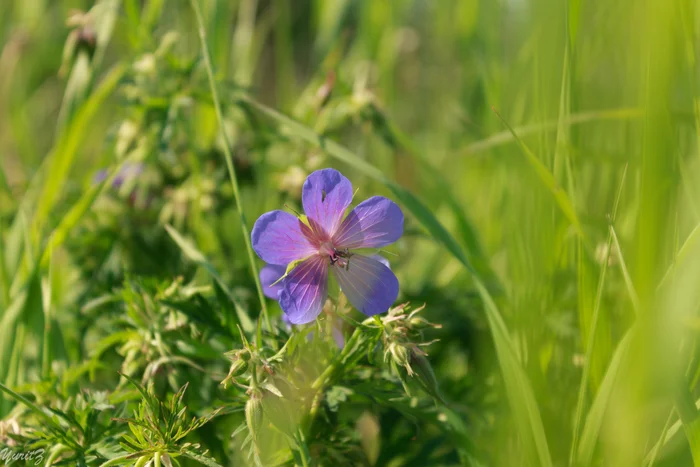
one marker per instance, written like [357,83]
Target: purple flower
[326,242]
[127,172]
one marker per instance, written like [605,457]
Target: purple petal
[381,259]
[270,274]
[305,290]
[326,195]
[374,223]
[369,285]
[280,238]
[99,176]
[338,337]
[128,171]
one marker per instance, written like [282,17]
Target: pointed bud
[237,368]
[399,354]
[424,374]
[419,323]
[254,414]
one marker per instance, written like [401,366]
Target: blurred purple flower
[325,243]
[129,170]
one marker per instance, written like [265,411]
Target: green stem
[329,374]
[303,449]
[333,367]
[229,161]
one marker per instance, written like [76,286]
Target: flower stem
[333,367]
[229,161]
[303,449]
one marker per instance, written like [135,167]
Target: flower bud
[419,323]
[254,414]
[400,356]
[238,367]
[425,375]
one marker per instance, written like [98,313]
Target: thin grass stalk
[229,164]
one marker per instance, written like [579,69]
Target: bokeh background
[565,274]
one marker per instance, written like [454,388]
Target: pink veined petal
[280,238]
[269,275]
[368,284]
[326,195]
[373,223]
[305,290]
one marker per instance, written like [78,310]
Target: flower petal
[368,284]
[381,259]
[270,274]
[338,335]
[280,238]
[373,223]
[304,290]
[326,195]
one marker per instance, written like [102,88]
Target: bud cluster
[403,347]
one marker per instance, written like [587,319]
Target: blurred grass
[590,90]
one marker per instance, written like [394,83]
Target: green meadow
[544,154]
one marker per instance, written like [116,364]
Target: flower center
[335,255]
[326,249]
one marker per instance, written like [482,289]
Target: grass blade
[625,272]
[63,156]
[507,136]
[594,419]
[560,196]
[520,395]
[590,345]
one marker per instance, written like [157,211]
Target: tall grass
[545,153]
